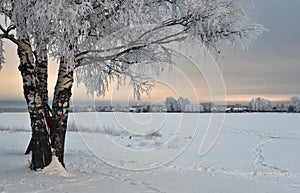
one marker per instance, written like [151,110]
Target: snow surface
[139,153]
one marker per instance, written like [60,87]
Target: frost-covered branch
[84,58]
[5,35]
[5,8]
[2,59]
[155,23]
[6,32]
[92,59]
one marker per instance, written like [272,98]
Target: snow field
[254,153]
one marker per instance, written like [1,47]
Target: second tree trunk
[61,103]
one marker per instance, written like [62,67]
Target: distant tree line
[264,105]
[182,104]
[258,104]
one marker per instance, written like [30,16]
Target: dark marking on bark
[61,103]
[41,148]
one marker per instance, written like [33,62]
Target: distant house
[237,108]
[132,109]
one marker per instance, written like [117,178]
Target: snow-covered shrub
[297,106]
[185,104]
[172,105]
[294,100]
[294,105]
[260,105]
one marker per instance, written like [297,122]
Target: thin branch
[11,27]
[105,58]
[6,34]
[160,41]
[132,44]
[2,29]
[113,69]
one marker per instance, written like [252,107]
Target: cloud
[271,64]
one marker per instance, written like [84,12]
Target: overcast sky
[271,65]
[269,68]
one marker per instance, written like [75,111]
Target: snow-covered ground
[159,152]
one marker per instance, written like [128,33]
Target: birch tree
[120,40]
[33,71]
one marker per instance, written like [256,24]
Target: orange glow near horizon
[245,99]
[11,87]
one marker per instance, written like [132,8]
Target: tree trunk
[41,148]
[42,72]
[61,103]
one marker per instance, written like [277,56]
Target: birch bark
[61,103]
[41,148]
